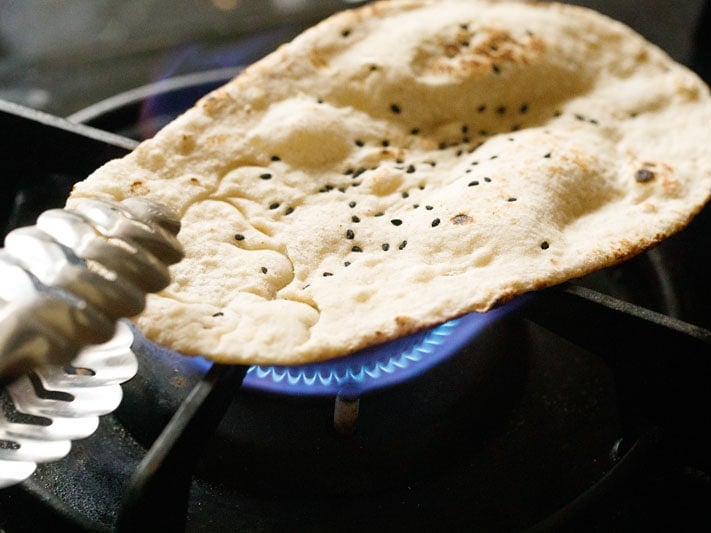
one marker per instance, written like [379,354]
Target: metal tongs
[65,285]
[66,281]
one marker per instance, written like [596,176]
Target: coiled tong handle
[65,281]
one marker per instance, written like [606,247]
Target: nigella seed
[501,110]
[442,145]
[496,68]
[405,195]
[385,247]
[266,176]
[289,210]
[219,313]
[345,33]
[579,117]
[319,100]
[511,199]
[487,180]
[481,108]
[239,237]
[643,175]
[493,157]
[435,222]
[547,156]
[356,249]
[351,204]
[355,219]
[326,274]
[473,183]
[276,158]
[544,245]
[358,172]
[347,263]
[385,143]
[379,214]
[415,131]
[350,234]
[396,221]
[358,142]
[275,205]
[410,169]
[459,153]
[402,245]
[373,68]
[349,172]
[395,108]
[465,128]
[429,207]
[264,270]
[475,163]
[523,108]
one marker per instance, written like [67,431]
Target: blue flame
[375,367]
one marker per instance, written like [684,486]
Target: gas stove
[581,407]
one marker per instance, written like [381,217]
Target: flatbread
[411,161]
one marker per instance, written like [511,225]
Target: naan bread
[410,161]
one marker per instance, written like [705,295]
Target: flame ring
[375,367]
